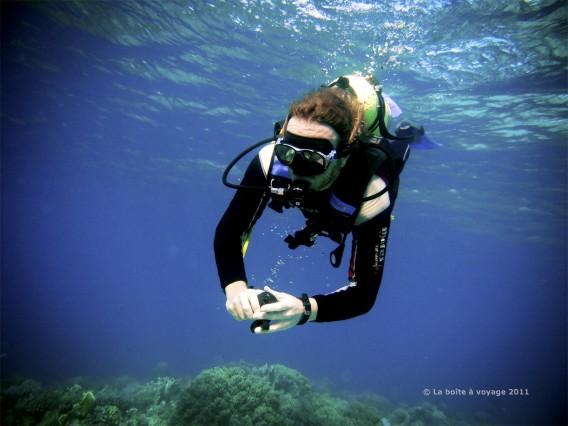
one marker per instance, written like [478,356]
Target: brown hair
[333,106]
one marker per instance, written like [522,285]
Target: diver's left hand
[283,314]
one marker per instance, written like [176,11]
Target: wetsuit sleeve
[239,218]
[365,273]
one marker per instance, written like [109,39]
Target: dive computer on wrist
[307,309]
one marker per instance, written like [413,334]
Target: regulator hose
[236,160]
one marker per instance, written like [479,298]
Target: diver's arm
[241,214]
[235,288]
[365,273]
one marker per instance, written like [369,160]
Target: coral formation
[229,395]
[123,402]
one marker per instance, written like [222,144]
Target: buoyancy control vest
[332,213]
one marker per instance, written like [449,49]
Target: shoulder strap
[363,163]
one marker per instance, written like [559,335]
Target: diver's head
[310,150]
[333,106]
[318,135]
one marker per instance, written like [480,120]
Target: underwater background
[118,118]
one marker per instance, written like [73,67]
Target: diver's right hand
[242,302]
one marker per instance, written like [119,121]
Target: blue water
[117,121]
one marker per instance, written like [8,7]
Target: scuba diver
[334,159]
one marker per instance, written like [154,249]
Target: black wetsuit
[365,267]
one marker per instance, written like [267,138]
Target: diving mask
[302,160]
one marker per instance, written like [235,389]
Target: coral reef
[229,395]
[122,402]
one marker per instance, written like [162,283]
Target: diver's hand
[286,312]
[242,302]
